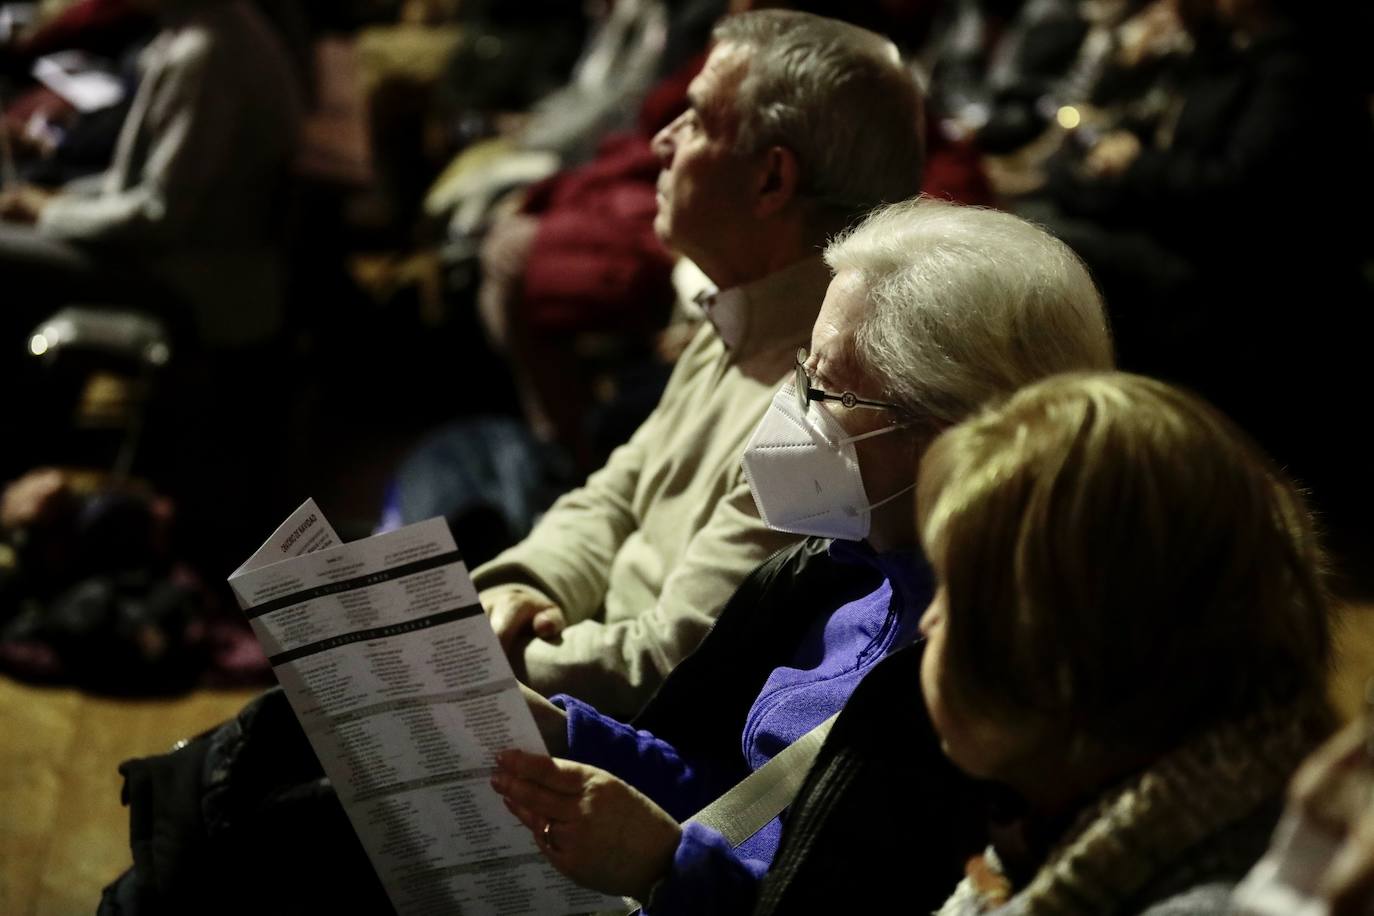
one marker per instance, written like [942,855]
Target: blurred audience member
[1209,200]
[989,80]
[580,256]
[1198,219]
[631,45]
[185,216]
[491,50]
[102,27]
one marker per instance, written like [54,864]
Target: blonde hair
[968,305]
[1119,556]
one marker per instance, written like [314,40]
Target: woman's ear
[778,177]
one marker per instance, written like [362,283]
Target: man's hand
[519,612]
[24,204]
[594,828]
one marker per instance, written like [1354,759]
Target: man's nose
[662,144]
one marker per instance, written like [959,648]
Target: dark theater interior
[982,378]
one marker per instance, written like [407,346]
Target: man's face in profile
[703,188]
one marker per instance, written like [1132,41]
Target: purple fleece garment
[839,649]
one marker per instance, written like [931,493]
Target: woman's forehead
[832,337]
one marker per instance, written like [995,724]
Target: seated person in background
[185,213]
[1130,633]
[105,28]
[1207,172]
[797,125]
[934,309]
[1321,862]
[1194,215]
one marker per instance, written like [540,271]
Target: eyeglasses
[806,393]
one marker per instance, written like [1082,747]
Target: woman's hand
[593,827]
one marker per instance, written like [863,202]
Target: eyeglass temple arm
[816,394]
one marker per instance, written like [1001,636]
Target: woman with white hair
[1130,633]
[933,309]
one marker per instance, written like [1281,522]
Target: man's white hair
[838,97]
[968,305]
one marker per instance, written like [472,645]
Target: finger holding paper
[551,721]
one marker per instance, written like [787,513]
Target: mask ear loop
[869,435]
[847,440]
[887,499]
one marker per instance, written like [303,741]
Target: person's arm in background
[1264,141]
[189,119]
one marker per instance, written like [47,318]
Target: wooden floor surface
[64,834]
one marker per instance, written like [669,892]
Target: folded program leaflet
[402,688]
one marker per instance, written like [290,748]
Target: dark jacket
[241,820]
[883,819]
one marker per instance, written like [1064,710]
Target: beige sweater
[642,557]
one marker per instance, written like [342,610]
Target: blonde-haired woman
[1130,632]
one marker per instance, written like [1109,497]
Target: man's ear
[778,177]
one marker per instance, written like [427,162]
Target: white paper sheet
[304,531]
[79,80]
[402,688]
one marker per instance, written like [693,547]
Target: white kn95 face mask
[804,473]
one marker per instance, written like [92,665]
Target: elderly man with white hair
[796,126]
[933,310]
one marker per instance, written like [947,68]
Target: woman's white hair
[968,304]
[838,97]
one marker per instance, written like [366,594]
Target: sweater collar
[777,309]
[907,571]
[1150,824]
